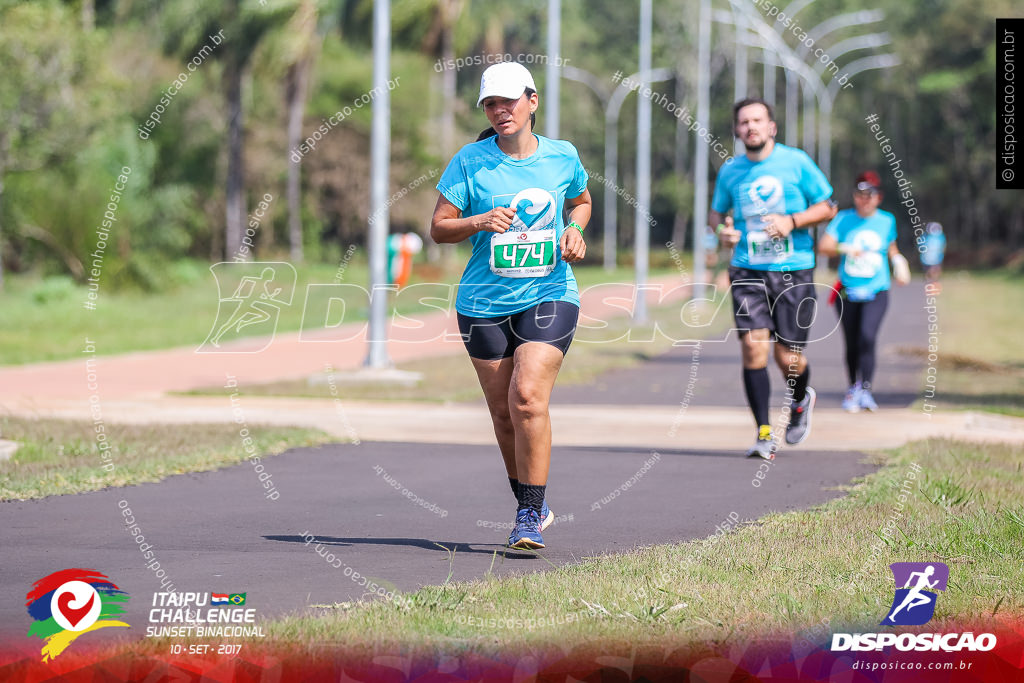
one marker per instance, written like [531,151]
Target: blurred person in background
[864,238]
[932,249]
[777,193]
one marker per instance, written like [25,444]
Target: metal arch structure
[855,67]
[612,101]
[840,21]
[866,41]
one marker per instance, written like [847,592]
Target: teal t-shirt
[481,177]
[933,249]
[786,182]
[867,274]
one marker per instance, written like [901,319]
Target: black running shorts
[783,302]
[550,322]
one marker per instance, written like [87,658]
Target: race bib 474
[529,253]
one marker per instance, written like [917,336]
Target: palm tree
[306,42]
[189,27]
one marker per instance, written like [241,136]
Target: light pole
[641,212]
[554,47]
[380,142]
[700,165]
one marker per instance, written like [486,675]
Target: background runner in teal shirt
[785,182]
[775,193]
[864,264]
[864,238]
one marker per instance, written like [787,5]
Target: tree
[191,26]
[43,64]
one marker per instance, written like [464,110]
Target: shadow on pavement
[426,544]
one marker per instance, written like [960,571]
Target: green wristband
[574,224]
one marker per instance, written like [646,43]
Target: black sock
[800,385]
[531,496]
[759,391]
[514,483]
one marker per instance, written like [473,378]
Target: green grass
[452,378]
[979,313]
[58,457]
[980,365]
[52,322]
[784,574]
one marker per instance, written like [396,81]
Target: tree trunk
[450,10]
[1,227]
[681,217]
[88,15]
[297,86]
[235,201]
[5,144]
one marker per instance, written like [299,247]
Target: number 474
[535,250]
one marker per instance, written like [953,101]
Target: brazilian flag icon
[237,598]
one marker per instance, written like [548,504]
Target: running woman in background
[864,238]
[932,250]
[776,193]
[518,302]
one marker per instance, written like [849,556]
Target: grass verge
[58,457]
[784,574]
[52,320]
[618,345]
[979,364]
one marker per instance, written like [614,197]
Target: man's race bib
[763,249]
[528,248]
[529,253]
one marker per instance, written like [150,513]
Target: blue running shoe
[526,533]
[546,515]
[867,401]
[851,403]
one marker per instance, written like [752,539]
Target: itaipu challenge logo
[70,603]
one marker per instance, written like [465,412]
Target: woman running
[865,239]
[518,302]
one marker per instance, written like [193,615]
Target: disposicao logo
[68,603]
[913,605]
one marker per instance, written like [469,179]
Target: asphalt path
[217,532]
[716,365]
[408,515]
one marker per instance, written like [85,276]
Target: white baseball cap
[505,79]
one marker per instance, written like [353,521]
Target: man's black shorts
[783,302]
[550,322]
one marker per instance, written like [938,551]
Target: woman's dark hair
[490,132]
[533,114]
